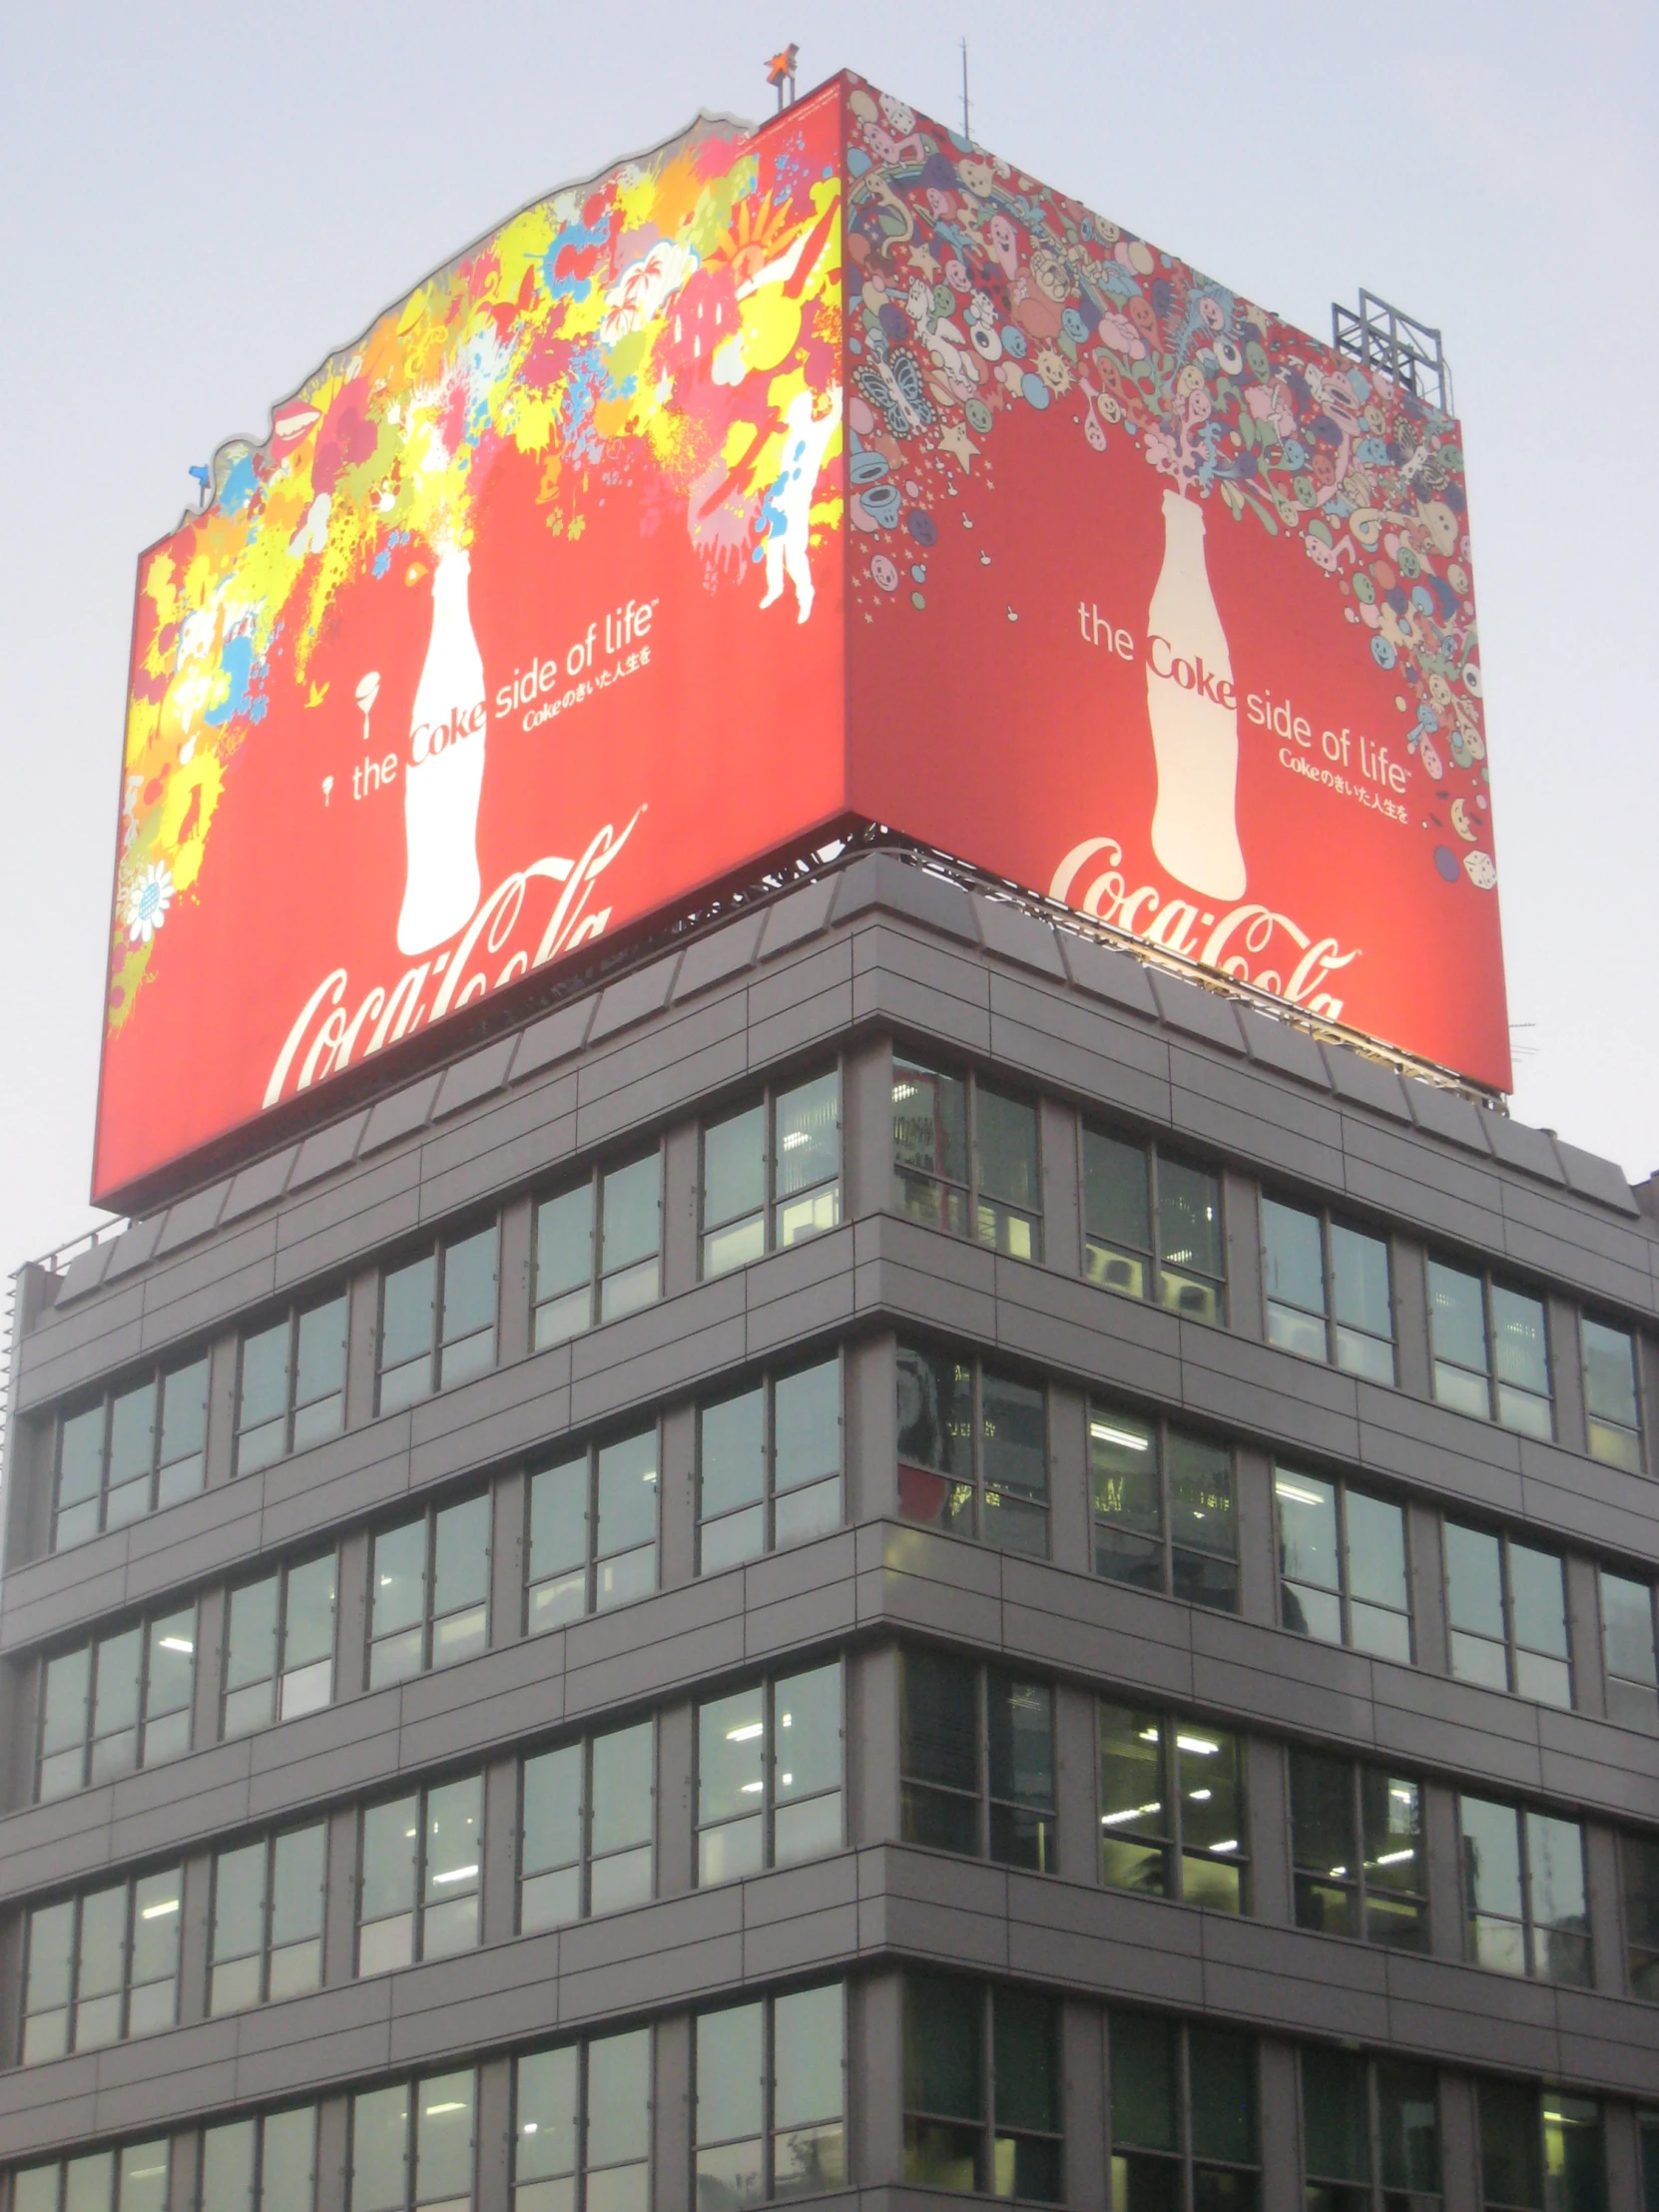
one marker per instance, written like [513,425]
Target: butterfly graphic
[893,387]
[505,313]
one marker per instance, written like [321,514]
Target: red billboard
[767,482]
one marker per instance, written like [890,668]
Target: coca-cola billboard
[769,483]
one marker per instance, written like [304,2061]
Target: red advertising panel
[769,482]
[1158,606]
[525,621]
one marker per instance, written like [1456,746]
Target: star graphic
[924,262]
[955,441]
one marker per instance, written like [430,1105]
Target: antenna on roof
[781,72]
[967,132]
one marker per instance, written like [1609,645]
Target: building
[893,1552]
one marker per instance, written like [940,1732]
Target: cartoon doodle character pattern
[973,291]
[673,329]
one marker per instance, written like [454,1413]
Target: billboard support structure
[1384,338]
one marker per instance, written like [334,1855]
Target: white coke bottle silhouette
[444,773]
[1194,735]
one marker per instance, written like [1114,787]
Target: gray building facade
[892,1555]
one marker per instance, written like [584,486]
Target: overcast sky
[196,203]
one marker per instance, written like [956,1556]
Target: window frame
[1151,1258]
[269,1843]
[1636,1461]
[293,1319]
[771,2134]
[1170,1838]
[1540,2098]
[986,1802]
[413,2087]
[985,2126]
[583,2171]
[128,1886]
[422,1794]
[592,1179]
[1184,2156]
[257,2121]
[1649,1685]
[437,1248]
[767,1504]
[1514,1651]
[975,1199]
[1356,1886]
[116,2197]
[1328,1220]
[771,1204]
[145,1627]
[1639,1904]
[770,1685]
[156,1378]
[1534,1937]
[1490,1284]
[982,1489]
[1342,2193]
[593,1563]
[427,1518]
[584,1746]
[1159,1427]
[282,1575]
[1341,1485]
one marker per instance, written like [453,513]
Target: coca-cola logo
[430,737]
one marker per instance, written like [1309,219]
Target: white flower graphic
[148,901]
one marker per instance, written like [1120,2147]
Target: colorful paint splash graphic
[672,330]
[975,292]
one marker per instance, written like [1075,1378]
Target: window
[599,1250]
[1612,1402]
[1523,1892]
[772,1173]
[769,1775]
[1342,1565]
[1540,2152]
[771,2098]
[266,2164]
[1171,1808]
[1631,1647]
[1648,2124]
[582,2126]
[768,1464]
[268,1919]
[1358,1849]
[293,1384]
[976,1762]
[586,1826]
[1370,2132]
[102,1966]
[132,1452]
[981,2089]
[972,1450]
[1327,1291]
[1163,1509]
[593,1530]
[1506,1606]
[280,1646]
[132,2179]
[120,1702]
[429,1602]
[437,1318]
[418,1883]
[1491,1355]
[1152,1226]
[966,1159]
[1183,2116]
[1639,1855]
[412,2145]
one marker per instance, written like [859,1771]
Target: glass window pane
[1627,1628]
[63,1722]
[155,1903]
[131,1434]
[1334,2116]
[630,1204]
[729,2069]
[297,1861]
[1509,2146]
[731,1448]
[564,1242]
[1392,1810]
[250,1640]
[399,1576]
[1610,1372]
[469,1285]
[239,1903]
[1020,1718]
[1222,2069]
[406,1312]
[731,1755]
[935,1412]
[1538,1599]
[1457,1320]
[545,2108]
[1014,1427]
[1189,1217]
[461,1556]
[1025,2055]
[184,1413]
[1474,1581]
[1491,1858]
[454,1838]
[228,2164]
[941,2047]
[1377,1551]
[808,2037]
[443,2139]
[264,1375]
[35,2189]
[81,1455]
[929,1115]
[391,1842]
[1555,1872]
[1292,1260]
[1006,1129]
[380,2150]
[1360,1281]
[809,1741]
[1409,2125]
[618,2098]
[1117,1202]
[558,1518]
[623,1774]
[807,1424]
[1321,1815]
[1575,2174]
[319,1363]
[941,1721]
[1518,1341]
[1146,2077]
[628,1492]
[289,2175]
[309,1627]
[809,1134]
[1123,1467]
[51,1944]
[551,1835]
[734,1166]
[171,1678]
[143,2176]
[1306,1528]
[1200,1493]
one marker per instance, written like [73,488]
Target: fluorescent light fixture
[1135,1812]
[1232,1844]
[1199,1797]
[1103,1433]
[1200,1744]
[176,1643]
[1149,1736]
[751,1789]
[747,1734]
[796,1139]
[1297,1495]
[160,1912]
[455,1874]
[434,2110]
[1396,1858]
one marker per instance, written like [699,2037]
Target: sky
[199,203]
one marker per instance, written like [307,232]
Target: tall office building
[747,1515]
